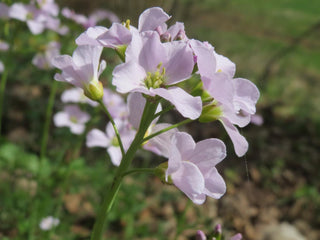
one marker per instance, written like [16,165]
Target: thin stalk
[45,131]
[113,125]
[2,90]
[139,170]
[110,195]
[167,129]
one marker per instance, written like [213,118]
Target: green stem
[167,129]
[110,195]
[163,111]
[139,170]
[113,125]
[2,89]
[45,131]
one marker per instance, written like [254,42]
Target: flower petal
[97,138]
[240,144]
[215,186]
[187,105]
[151,18]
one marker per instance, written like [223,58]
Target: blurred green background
[275,44]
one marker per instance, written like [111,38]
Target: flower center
[73,119]
[115,142]
[156,79]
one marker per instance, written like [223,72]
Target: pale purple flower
[200,235]
[93,18]
[73,118]
[37,20]
[159,144]
[152,68]
[191,166]
[1,67]
[76,95]
[82,70]
[4,11]
[236,98]
[115,104]
[108,139]
[48,223]
[89,37]
[257,119]
[48,6]
[4,46]
[43,60]
[238,236]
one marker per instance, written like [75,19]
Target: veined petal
[215,186]
[246,94]
[190,181]
[180,64]
[225,65]
[136,103]
[240,144]
[208,153]
[128,77]
[89,37]
[187,105]
[151,18]
[117,35]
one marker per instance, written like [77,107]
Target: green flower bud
[94,90]
[210,112]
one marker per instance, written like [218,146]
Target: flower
[191,167]
[4,11]
[43,60]
[82,70]
[234,97]
[37,19]
[76,95]
[72,117]
[48,223]
[108,139]
[152,68]
[92,20]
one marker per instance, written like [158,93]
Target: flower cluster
[157,62]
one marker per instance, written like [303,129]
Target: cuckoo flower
[72,117]
[93,18]
[108,139]
[37,19]
[152,68]
[48,223]
[82,70]
[115,104]
[76,95]
[4,11]
[43,60]
[159,144]
[234,98]
[191,167]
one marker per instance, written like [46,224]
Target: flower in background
[73,118]
[36,19]
[108,139]
[82,70]
[48,6]
[1,67]
[43,60]
[152,68]
[191,167]
[48,223]
[93,18]
[217,234]
[115,104]
[76,95]
[4,46]
[4,11]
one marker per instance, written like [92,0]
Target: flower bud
[160,172]
[166,37]
[94,90]
[210,113]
